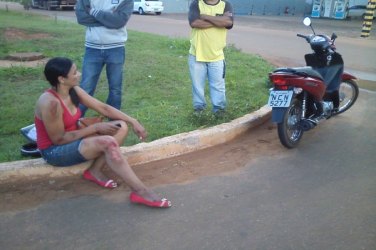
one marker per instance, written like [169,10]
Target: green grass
[157,87]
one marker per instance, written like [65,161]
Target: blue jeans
[94,60]
[215,73]
[63,155]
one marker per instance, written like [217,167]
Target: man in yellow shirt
[210,20]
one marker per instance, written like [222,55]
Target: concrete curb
[146,152]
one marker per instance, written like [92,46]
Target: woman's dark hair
[60,66]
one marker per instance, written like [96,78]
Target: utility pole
[368,18]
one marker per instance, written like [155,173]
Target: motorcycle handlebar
[303,36]
[300,35]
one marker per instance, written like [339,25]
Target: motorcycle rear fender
[278,114]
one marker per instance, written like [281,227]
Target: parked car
[148,6]
[358,11]
[52,4]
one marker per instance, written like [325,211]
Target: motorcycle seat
[302,71]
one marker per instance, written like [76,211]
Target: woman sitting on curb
[61,143]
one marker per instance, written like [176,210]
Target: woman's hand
[106,128]
[139,130]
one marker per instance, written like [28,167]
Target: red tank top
[70,124]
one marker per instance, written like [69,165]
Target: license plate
[279,99]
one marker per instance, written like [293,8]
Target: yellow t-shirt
[207,44]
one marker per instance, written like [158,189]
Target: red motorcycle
[304,96]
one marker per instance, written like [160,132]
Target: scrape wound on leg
[115,152]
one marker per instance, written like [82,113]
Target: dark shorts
[63,155]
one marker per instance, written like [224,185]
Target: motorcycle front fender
[278,114]
[347,76]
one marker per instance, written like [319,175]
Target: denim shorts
[63,155]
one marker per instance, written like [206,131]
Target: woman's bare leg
[106,147]
[98,164]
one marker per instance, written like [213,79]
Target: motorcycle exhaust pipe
[307,124]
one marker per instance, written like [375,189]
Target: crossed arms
[114,19]
[201,21]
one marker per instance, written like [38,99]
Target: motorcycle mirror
[307,21]
[333,37]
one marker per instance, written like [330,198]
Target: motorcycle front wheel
[289,130]
[348,93]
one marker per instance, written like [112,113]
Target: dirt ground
[219,160]
[11,34]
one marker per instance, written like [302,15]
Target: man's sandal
[106,184]
[162,203]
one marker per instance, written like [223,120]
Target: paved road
[254,195]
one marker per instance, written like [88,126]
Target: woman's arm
[110,112]
[50,111]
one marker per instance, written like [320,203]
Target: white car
[148,6]
[358,11]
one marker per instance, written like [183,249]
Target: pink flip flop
[106,184]
[162,203]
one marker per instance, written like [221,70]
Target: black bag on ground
[30,148]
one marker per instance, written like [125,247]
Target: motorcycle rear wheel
[348,93]
[289,130]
